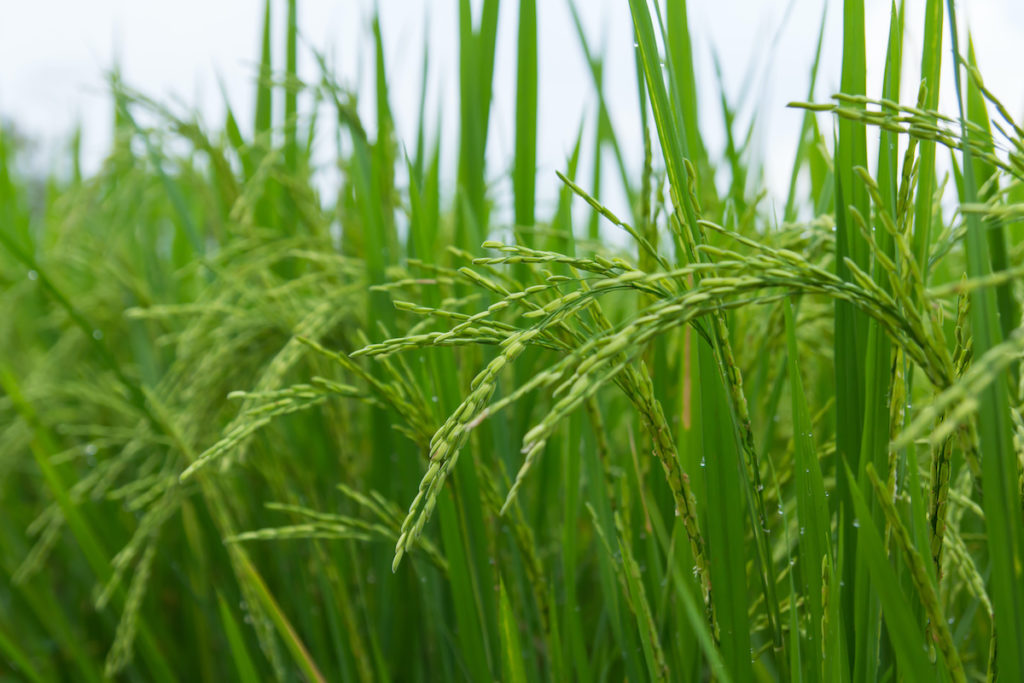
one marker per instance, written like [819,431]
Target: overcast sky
[54,53]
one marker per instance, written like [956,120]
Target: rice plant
[256,429]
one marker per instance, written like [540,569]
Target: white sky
[53,55]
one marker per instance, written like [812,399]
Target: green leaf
[909,646]
[512,653]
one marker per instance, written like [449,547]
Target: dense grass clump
[251,432]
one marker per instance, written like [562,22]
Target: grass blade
[1000,469]
[909,643]
[239,652]
[512,653]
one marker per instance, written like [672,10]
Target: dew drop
[97,335]
[33,275]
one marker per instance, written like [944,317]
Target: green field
[255,429]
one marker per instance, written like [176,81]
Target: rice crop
[254,426]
